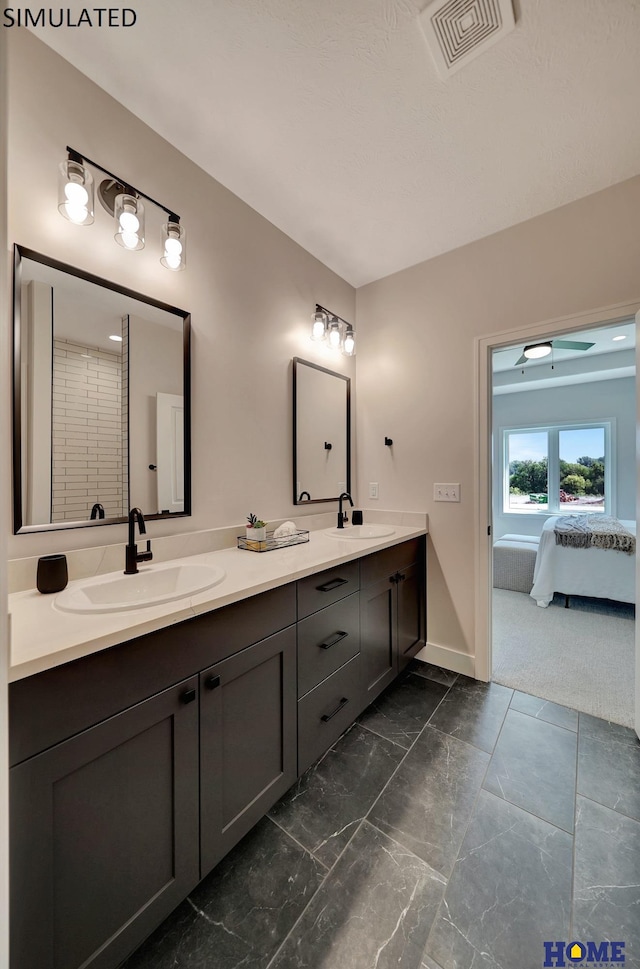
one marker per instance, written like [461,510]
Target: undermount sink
[361,531]
[149,587]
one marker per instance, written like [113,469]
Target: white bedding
[603,573]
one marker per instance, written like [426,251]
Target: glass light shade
[75,193]
[334,337]
[537,350]
[319,327]
[174,246]
[349,344]
[129,215]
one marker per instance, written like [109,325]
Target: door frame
[483,463]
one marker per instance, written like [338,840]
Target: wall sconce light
[75,191]
[123,202]
[330,329]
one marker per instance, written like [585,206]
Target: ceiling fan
[534,351]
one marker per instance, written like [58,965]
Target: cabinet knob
[188,696]
[212,682]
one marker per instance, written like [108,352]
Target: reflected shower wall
[87,444]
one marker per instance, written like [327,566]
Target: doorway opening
[562,483]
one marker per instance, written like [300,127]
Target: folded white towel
[287,528]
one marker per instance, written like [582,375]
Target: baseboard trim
[448,659]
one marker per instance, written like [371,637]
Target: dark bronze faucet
[342,516]
[132,555]
[97,511]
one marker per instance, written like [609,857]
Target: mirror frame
[332,373]
[20,253]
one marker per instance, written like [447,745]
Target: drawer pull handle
[212,682]
[333,584]
[332,642]
[326,717]
[188,696]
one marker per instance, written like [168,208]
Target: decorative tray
[271,543]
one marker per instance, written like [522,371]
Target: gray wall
[601,400]
[249,288]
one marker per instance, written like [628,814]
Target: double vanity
[155,718]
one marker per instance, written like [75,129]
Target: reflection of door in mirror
[155,369]
[322,439]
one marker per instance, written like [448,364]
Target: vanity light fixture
[75,191]
[349,343]
[123,202]
[174,245]
[335,332]
[319,328]
[129,215]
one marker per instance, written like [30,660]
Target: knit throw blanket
[594,531]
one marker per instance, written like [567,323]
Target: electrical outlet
[446,492]
[373,489]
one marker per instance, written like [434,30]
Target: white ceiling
[609,358]
[330,119]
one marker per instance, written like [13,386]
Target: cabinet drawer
[317,591]
[326,712]
[389,560]
[326,641]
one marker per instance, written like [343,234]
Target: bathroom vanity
[136,768]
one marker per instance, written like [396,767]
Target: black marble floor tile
[510,890]
[606,899]
[323,809]
[534,766]
[609,765]
[400,713]
[473,711]
[435,673]
[428,963]
[545,710]
[428,802]
[241,913]
[374,910]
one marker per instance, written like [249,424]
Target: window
[561,468]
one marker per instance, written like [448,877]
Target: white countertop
[43,637]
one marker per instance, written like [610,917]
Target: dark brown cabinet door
[379,664]
[104,835]
[247,740]
[410,613]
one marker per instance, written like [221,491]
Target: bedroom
[564,445]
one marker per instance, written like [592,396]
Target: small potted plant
[256,528]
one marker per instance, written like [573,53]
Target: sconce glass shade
[319,327]
[75,193]
[349,344]
[334,336]
[174,246]
[129,215]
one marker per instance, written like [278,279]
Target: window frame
[553,465]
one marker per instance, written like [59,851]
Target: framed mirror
[101,407]
[321,433]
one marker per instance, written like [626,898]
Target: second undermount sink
[361,531]
[149,587]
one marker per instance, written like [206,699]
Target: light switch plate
[446,492]
[373,489]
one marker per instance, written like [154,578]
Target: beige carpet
[582,657]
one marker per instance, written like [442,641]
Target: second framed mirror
[321,433]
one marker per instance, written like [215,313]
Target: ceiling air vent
[459,30]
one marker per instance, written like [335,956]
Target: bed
[602,573]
